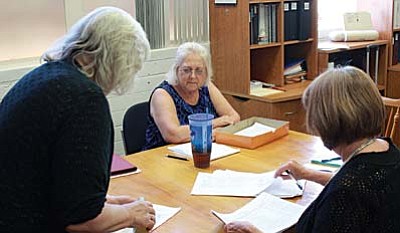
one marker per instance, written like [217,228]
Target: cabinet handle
[289,113]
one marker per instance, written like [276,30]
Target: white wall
[152,74]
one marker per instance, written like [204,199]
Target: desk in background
[169,181]
[328,50]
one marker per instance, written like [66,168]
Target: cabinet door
[291,111]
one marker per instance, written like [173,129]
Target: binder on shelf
[396,47]
[253,24]
[304,22]
[262,24]
[291,12]
[273,22]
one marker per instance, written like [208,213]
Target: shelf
[395,67]
[263,1]
[261,46]
[396,30]
[290,42]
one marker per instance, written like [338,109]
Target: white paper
[285,188]
[231,183]
[268,213]
[217,150]
[255,130]
[163,213]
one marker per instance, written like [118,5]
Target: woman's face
[192,73]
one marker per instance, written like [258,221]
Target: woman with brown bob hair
[344,107]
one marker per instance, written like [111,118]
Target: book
[120,166]
[268,213]
[293,66]
[217,150]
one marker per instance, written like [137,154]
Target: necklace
[354,153]
[360,148]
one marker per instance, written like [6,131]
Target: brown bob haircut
[343,105]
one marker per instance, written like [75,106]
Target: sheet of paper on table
[268,213]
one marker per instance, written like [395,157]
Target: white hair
[184,50]
[114,42]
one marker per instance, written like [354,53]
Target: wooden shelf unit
[236,62]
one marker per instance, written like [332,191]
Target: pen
[176,157]
[278,88]
[297,182]
[328,160]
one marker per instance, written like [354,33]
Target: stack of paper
[163,213]
[217,150]
[268,213]
[233,183]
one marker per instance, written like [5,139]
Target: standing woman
[187,90]
[56,132]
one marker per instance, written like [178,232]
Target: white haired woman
[187,90]
[56,132]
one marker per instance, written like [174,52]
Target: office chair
[393,114]
[134,127]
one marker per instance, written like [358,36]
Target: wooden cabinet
[394,81]
[291,110]
[236,61]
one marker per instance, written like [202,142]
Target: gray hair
[182,53]
[343,105]
[114,42]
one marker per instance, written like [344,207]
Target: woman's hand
[241,227]
[298,171]
[142,214]
[301,172]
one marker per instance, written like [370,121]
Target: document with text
[231,183]
[268,213]
[255,130]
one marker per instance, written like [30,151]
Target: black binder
[396,47]
[254,24]
[304,22]
[291,11]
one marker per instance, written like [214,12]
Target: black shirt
[364,196]
[56,141]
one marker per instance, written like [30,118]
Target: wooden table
[167,181]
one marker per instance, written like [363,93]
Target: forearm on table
[319,177]
[112,217]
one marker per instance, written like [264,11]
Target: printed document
[231,183]
[217,150]
[255,130]
[268,213]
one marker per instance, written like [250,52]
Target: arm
[227,114]
[163,111]
[117,216]
[301,172]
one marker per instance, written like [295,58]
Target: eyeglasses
[187,71]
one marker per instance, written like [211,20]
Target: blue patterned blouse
[183,110]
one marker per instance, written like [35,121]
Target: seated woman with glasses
[187,90]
